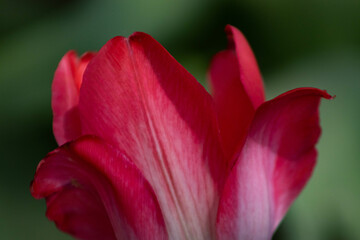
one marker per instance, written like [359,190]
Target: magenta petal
[276,161]
[65,96]
[237,89]
[137,96]
[93,191]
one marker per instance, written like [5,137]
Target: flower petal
[65,96]
[237,89]
[276,161]
[139,98]
[93,191]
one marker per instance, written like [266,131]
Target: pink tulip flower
[146,153]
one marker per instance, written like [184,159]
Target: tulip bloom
[146,153]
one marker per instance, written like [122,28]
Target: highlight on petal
[277,160]
[65,96]
[237,88]
[138,97]
[94,191]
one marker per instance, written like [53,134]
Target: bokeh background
[297,43]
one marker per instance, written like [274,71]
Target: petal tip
[308,91]
[138,36]
[87,56]
[233,33]
[326,95]
[229,30]
[323,93]
[71,53]
[114,41]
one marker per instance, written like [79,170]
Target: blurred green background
[297,43]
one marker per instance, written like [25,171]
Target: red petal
[237,89]
[94,192]
[140,99]
[276,161]
[65,96]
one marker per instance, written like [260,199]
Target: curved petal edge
[274,165]
[93,191]
[237,88]
[156,111]
[65,96]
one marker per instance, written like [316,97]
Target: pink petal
[140,99]
[237,89]
[93,191]
[276,162]
[65,96]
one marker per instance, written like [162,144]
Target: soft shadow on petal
[138,97]
[65,96]
[276,162]
[237,88]
[93,191]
